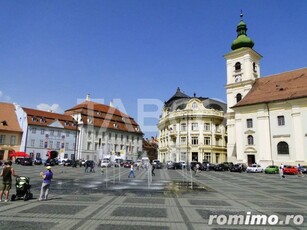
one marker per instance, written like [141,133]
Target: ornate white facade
[192,129]
[266,117]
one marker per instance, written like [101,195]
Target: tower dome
[242,39]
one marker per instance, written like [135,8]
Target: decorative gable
[56,124]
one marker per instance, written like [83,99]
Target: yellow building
[192,129]
[10,131]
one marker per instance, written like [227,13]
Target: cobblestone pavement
[173,199]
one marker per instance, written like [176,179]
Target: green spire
[242,39]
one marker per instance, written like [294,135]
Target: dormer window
[238,66]
[115,125]
[34,118]
[4,123]
[99,113]
[43,120]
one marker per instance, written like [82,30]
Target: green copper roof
[242,39]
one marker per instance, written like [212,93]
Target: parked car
[159,165]
[289,169]
[304,168]
[208,166]
[254,168]
[182,164]
[105,163]
[168,163]
[221,167]
[229,164]
[38,161]
[18,160]
[174,165]
[127,164]
[49,162]
[271,169]
[68,163]
[26,161]
[238,168]
[82,163]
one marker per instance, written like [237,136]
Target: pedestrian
[86,166]
[131,172]
[152,170]
[7,172]
[47,176]
[208,166]
[197,168]
[281,171]
[92,165]
[300,170]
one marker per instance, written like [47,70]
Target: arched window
[254,67]
[282,148]
[237,66]
[250,140]
[239,97]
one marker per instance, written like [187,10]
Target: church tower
[243,69]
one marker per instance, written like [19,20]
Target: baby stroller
[22,189]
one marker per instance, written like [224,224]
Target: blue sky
[53,53]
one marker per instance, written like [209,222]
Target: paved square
[81,200]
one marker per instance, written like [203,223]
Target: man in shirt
[7,173]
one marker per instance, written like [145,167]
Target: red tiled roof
[8,118]
[104,116]
[43,118]
[279,87]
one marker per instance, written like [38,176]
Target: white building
[192,129]
[46,132]
[266,117]
[104,131]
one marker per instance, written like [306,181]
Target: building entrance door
[194,156]
[250,159]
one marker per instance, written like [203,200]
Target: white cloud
[4,97]
[50,108]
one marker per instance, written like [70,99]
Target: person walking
[86,166]
[7,172]
[47,176]
[300,170]
[197,168]
[131,172]
[281,171]
[152,170]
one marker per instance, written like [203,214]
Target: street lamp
[75,148]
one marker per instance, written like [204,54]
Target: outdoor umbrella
[19,154]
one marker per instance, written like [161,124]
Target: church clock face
[238,78]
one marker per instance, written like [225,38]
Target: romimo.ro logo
[254,219]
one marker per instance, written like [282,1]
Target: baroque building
[192,129]
[267,116]
[46,134]
[105,132]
